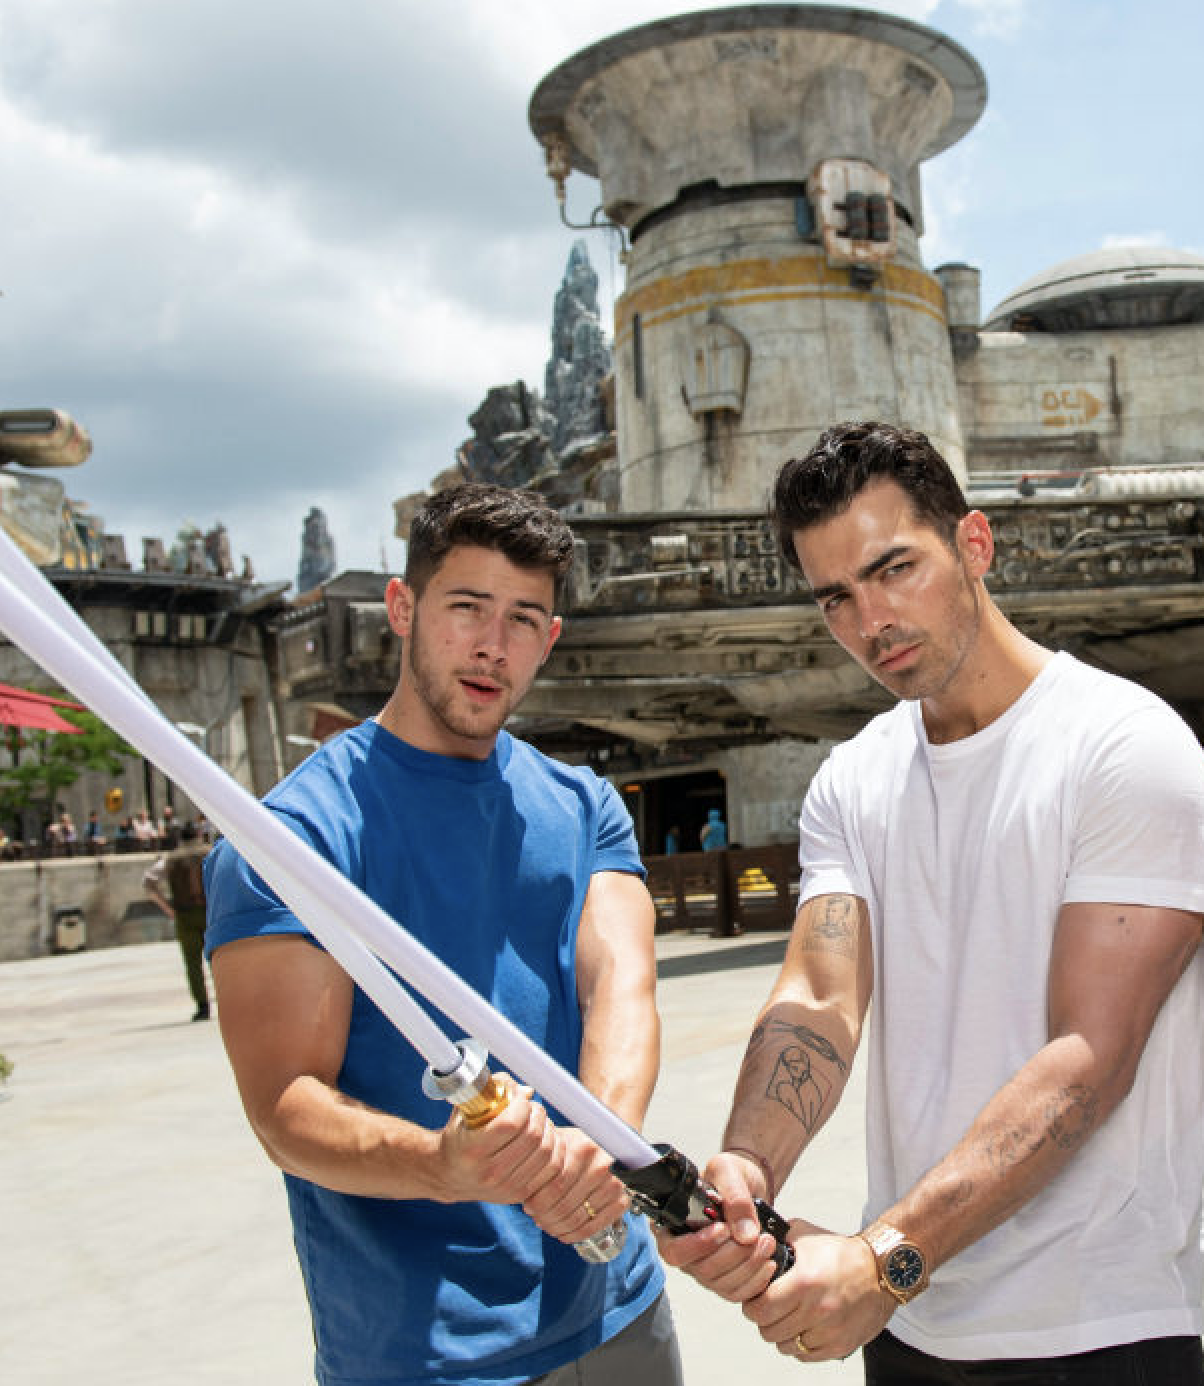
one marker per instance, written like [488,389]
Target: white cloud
[1114,239]
[998,18]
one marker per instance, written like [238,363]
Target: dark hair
[846,458]
[519,524]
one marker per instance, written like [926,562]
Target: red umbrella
[34,711]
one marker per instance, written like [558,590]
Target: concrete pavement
[145,1235]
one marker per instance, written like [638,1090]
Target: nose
[490,639]
[873,614]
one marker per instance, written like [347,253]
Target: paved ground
[144,1235]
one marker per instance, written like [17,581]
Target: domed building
[762,166]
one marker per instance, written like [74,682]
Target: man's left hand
[584,1198]
[828,1304]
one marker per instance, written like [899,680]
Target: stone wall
[765,789]
[107,889]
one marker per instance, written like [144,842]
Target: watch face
[904,1268]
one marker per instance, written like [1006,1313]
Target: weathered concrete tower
[764,163]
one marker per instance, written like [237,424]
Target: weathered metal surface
[695,629]
[31,514]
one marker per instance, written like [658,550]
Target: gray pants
[644,1354]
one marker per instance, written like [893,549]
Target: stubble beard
[439,699]
[915,685]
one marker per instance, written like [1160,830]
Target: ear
[976,543]
[554,630]
[399,606]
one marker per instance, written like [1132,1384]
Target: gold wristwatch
[902,1266]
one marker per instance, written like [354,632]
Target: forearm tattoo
[831,927]
[796,1082]
[1070,1117]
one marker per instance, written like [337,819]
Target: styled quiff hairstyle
[844,460]
[521,525]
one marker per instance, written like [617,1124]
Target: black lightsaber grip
[673,1195]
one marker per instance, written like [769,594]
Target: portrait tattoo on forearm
[796,1082]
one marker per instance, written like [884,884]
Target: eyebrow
[489,597]
[884,560]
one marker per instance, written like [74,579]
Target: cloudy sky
[273,252]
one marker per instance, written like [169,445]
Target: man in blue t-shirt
[430,1252]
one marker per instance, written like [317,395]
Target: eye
[830,604]
[896,569]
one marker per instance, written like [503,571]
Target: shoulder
[524,761]
[319,801]
[1110,717]
[574,794]
[884,738]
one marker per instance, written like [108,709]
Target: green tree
[41,764]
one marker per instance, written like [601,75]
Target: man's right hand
[734,1258]
[507,1160]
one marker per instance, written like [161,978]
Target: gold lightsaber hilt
[482,1107]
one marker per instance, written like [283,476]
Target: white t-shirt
[1088,788]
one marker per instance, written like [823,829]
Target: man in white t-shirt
[1011,864]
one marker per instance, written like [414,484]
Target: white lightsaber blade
[355,959]
[351,926]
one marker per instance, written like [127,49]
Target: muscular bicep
[614,938]
[284,1007]
[1111,968]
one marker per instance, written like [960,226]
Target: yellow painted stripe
[769,281]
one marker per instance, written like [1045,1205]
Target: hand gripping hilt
[477,1095]
[673,1195]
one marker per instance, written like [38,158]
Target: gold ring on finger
[590,1211]
[802,1347]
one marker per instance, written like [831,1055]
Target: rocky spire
[580,356]
[317,552]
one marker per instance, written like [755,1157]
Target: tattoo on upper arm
[796,1083]
[831,927]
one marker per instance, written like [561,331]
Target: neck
[1002,666]
[408,723]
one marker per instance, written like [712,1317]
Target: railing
[727,892]
[62,851]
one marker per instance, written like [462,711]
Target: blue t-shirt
[487,863]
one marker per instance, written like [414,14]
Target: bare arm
[794,1073]
[802,1046]
[285,1008]
[1112,968]
[616,982]
[152,883]
[620,1048]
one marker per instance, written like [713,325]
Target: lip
[481,690]
[894,658]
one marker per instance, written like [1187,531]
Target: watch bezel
[902,1265]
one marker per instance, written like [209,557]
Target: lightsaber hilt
[471,1088]
[672,1194]
[478,1096]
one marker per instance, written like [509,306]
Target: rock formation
[317,552]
